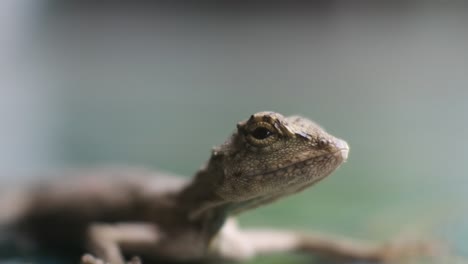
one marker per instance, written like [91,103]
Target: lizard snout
[343,148]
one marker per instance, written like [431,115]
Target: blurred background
[85,85]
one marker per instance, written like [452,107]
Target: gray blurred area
[158,86]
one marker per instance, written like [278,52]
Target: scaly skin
[154,215]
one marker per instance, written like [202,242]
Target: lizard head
[270,156]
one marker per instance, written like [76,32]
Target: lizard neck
[199,197]
[200,200]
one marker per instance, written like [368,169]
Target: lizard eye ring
[261,134]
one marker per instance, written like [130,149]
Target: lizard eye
[261,133]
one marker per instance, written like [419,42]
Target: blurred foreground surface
[158,87]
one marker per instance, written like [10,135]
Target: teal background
[86,86]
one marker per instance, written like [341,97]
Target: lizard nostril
[322,143]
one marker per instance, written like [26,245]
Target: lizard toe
[90,259]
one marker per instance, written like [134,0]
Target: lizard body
[159,216]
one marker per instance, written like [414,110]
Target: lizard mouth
[288,179]
[334,159]
[330,160]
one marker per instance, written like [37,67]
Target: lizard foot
[90,259]
[134,260]
[408,248]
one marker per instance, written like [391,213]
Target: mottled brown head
[270,156]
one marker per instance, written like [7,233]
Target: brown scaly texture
[160,216]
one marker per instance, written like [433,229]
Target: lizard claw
[409,247]
[90,259]
[135,260]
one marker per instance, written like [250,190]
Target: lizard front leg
[233,243]
[107,241]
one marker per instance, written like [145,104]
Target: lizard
[157,215]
